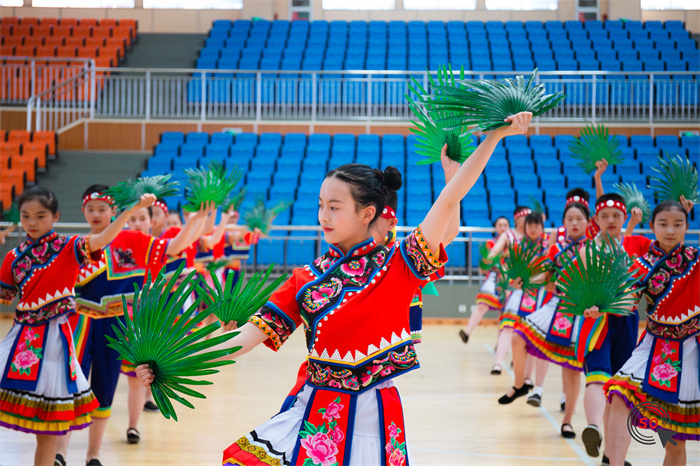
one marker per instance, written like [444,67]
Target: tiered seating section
[292,167]
[416,45]
[22,155]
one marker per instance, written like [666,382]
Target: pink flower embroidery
[22,346]
[320,448]
[322,295]
[29,335]
[354,268]
[666,348]
[336,435]
[397,458]
[332,411]
[664,372]
[393,430]
[562,324]
[25,360]
[658,359]
[527,301]
[387,370]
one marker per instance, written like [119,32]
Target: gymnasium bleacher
[492,46]
[22,155]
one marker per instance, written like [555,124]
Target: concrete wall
[199,21]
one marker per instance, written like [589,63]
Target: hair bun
[392,179]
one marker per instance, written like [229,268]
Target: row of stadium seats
[292,167]
[22,155]
[416,45]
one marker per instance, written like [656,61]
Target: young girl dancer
[549,334]
[488,298]
[663,369]
[353,303]
[43,390]
[99,290]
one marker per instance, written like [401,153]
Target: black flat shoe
[93,462]
[535,400]
[496,369]
[592,440]
[133,435]
[464,336]
[606,461]
[506,400]
[568,433]
[150,407]
[59,460]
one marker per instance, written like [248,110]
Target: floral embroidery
[56,308]
[562,324]
[361,377]
[658,281]
[674,332]
[7,293]
[28,355]
[274,326]
[321,443]
[395,450]
[33,254]
[665,367]
[316,297]
[419,253]
[354,268]
[125,258]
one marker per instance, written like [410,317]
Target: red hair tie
[523,213]
[576,199]
[98,197]
[388,212]
[610,203]
[162,206]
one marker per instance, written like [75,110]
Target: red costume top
[355,311]
[44,272]
[123,263]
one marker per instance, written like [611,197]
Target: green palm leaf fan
[634,198]
[237,302]
[261,217]
[12,214]
[432,136]
[594,145]
[129,192]
[606,280]
[677,177]
[536,205]
[486,262]
[212,184]
[234,202]
[525,261]
[488,103]
[167,341]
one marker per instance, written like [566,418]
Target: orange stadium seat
[46,51]
[10,148]
[27,164]
[118,42]
[66,51]
[48,137]
[7,194]
[95,41]
[42,30]
[38,150]
[88,52]
[62,30]
[36,41]
[7,49]
[25,50]
[129,22]
[127,32]
[108,22]
[84,31]
[11,20]
[104,62]
[69,21]
[49,21]
[3,135]
[14,41]
[21,135]
[105,31]
[75,41]
[56,41]
[112,52]
[16,177]
[88,21]
[22,30]
[30,20]
[5,29]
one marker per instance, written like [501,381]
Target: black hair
[580,192]
[666,206]
[370,186]
[580,206]
[534,218]
[95,188]
[499,218]
[611,197]
[42,195]
[520,208]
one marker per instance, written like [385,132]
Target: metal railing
[368,96]
[462,245]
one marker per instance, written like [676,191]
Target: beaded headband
[388,212]
[98,197]
[523,213]
[162,206]
[610,203]
[576,199]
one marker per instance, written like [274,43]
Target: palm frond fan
[525,261]
[234,201]
[488,103]
[261,217]
[593,145]
[432,135]
[129,192]
[235,302]
[12,214]
[605,281]
[677,177]
[486,262]
[162,338]
[211,184]
[536,205]
[634,198]
[216,265]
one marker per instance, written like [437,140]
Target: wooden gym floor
[452,415]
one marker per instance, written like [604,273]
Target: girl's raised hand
[449,166]
[593,312]
[519,124]
[601,166]
[147,200]
[636,216]
[145,374]
[687,205]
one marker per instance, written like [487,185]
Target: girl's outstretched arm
[450,167]
[436,222]
[101,240]
[249,337]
